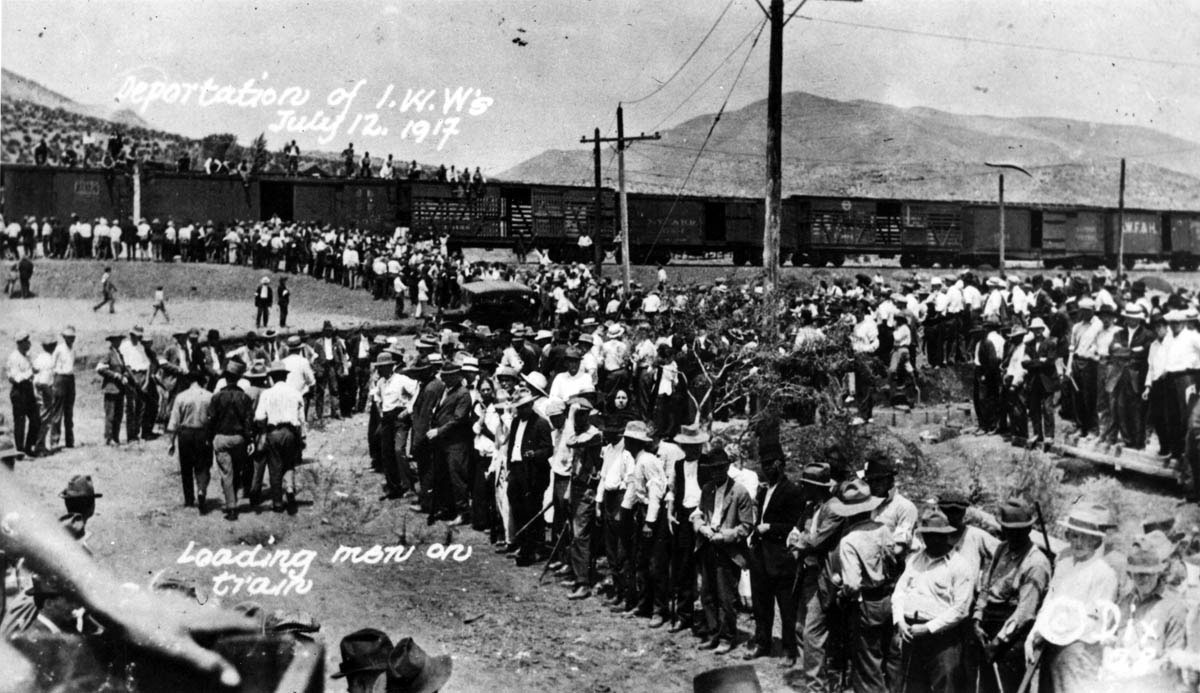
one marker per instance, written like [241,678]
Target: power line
[689,58]
[1006,44]
[707,137]
[712,74]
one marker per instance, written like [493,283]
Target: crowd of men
[584,444]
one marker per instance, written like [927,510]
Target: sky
[539,75]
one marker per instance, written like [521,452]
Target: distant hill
[16,87]
[862,148]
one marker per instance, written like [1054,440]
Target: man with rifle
[1009,596]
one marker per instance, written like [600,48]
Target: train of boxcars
[817,230]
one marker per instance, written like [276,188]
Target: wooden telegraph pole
[1003,232]
[1121,225]
[622,142]
[774,202]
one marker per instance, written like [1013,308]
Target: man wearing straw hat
[1153,623]
[1010,592]
[1041,383]
[930,608]
[280,412]
[1069,663]
[1131,351]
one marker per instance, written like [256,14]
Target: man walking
[280,412]
[230,425]
[108,292]
[188,427]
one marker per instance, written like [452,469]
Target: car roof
[491,286]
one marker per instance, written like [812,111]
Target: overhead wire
[700,45]
[708,136]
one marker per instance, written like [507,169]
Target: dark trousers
[282,456]
[1163,416]
[452,482]
[718,592]
[114,408]
[934,662]
[872,652]
[1106,402]
[385,434]
[327,379]
[934,342]
[561,502]
[987,399]
[652,558]
[26,416]
[262,316]
[283,312]
[1180,382]
[483,495]
[423,455]
[61,415]
[615,542]
[374,449]
[768,589]
[1086,375]
[583,522]
[135,405]
[864,387]
[1129,411]
[816,597]
[195,461]
[683,568]
[1014,407]
[525,499]
[1009,664]
[1041,411]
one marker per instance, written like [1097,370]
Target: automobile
[496,304]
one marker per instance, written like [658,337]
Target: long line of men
[527,443]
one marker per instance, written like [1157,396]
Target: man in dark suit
[263,298]
[358,350]
[450,436]
[1130,351]
[529,450]
[1041,382]
[772,565]
[722,522]
[422,418]
[329,365]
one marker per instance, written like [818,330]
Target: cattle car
[828,229]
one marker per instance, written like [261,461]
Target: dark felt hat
[80,486]
[736,679]
[364,650]
[411,670]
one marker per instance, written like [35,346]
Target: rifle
[1045,536]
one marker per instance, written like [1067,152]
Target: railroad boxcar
[57,192]
[1143,233]
[981,234]
[932,234]
[830,228]
[662,225]
[1182,244]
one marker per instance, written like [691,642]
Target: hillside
[19,88]
[863,148]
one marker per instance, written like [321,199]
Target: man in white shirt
[61,417]
[865,342]
[280,411]
[300,372]
[139,421]
[573,381]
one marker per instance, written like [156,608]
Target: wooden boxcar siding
[981,230]
[1143,233]
[931,226]
[63,192]
[744,221]
[656,220]
[1185,233]
[184,198]
[842,222]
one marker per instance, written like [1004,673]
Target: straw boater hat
[1089,518]
[257,373]
[1175,316]
[615,331]
[1134,311]
[853,498]
[385,359]
[691,435]
[537,382]
[637,430]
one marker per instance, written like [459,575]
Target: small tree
[260,157]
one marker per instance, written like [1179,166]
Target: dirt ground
[505,632]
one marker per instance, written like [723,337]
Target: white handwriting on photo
[342,108]
[292,566]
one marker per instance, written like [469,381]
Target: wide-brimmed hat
[735,679]
[691,435]
[1037,324]
[615,331]
[853,498]
[294,340]
[717,457]
[508,372]
[637,430]
[364,650]
[385,359]
[1062,620]
[235,368]
[257,372]
[537,381]
[817,474]
[469,364]
[879,465]
[265,280]
[954,499]
[80,486]
[1143,560]
[1089,518]
[411,670]
[934,521]
[292,621]
[69,331]
[138,330]
[8,448]
[110,338]
[1134,311]
[1016,514]
[277,367]
[543,335]
[450,368]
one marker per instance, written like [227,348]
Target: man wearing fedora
[723,521]
[584,445]
[230,428]
[1010,592]
[530,445]
[25,415]
[989,351]
[1130,350]
[1041,359]
[772,567]
[1013,394]
[450,436]
[411,670]
[280,412]
[329,364]
[1107,374]
[112,372]
[930,607]
[815,535]
[395,393]
[420,447]
[861,575]
[188,427]
[1081,574]
[1083,365]
[364,659]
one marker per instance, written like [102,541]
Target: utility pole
[1121,225]
[774,202]
[1003,233]
[598,214]
[622,142]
